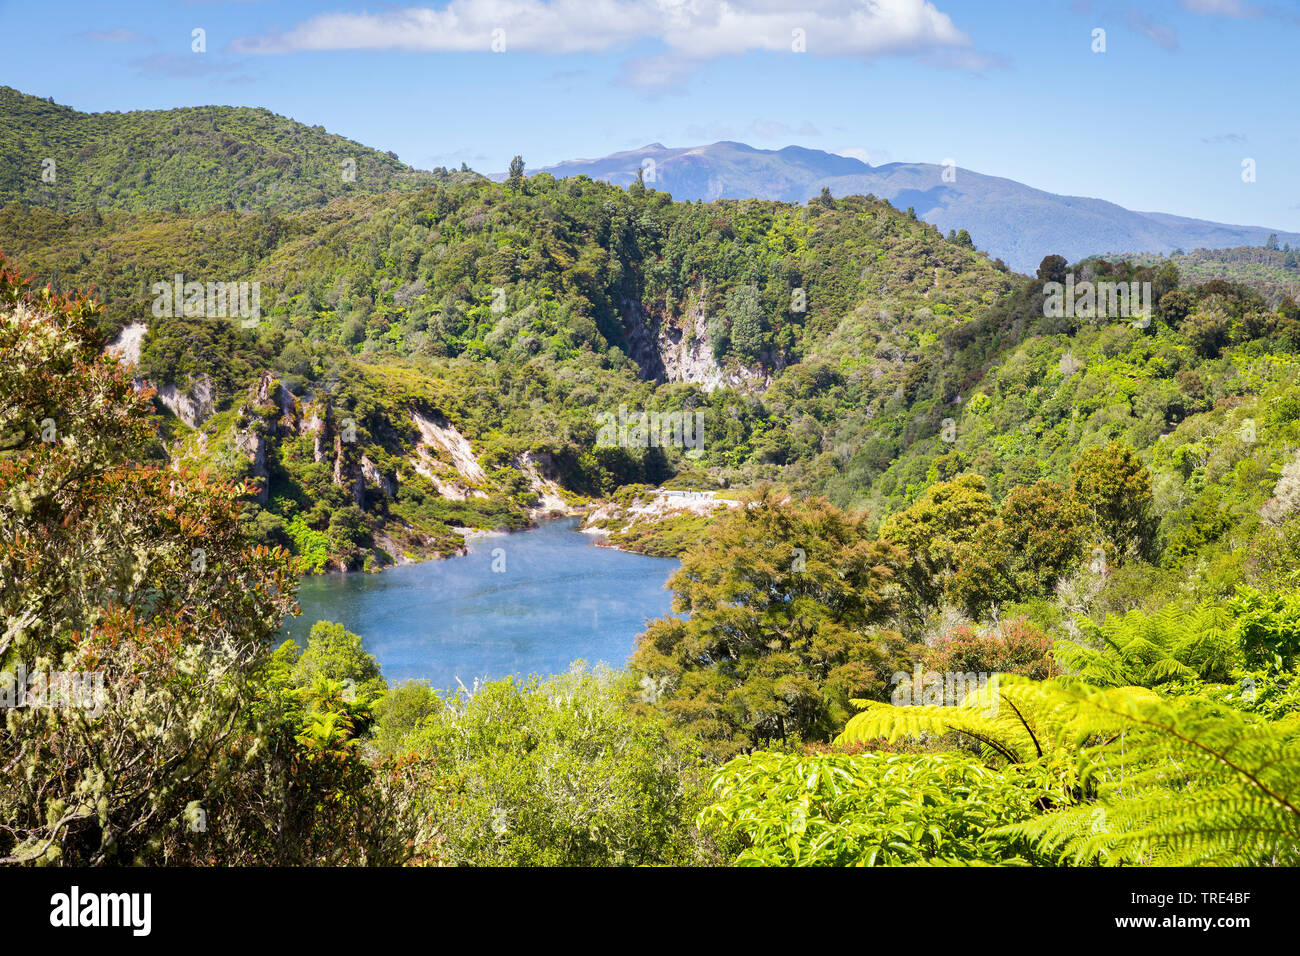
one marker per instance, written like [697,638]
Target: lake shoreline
[664,509]
[536,521]
[524,604]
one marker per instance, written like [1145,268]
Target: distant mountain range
[1009,220]
[252,159]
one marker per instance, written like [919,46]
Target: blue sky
[1162,120]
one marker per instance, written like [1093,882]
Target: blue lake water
[557,598]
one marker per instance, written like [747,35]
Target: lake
[553,598]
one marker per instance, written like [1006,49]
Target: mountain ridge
[1011,220]
[189,158]
[247,158]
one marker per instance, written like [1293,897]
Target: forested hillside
[185,159]
[778,724]
[840,348]
[515,314]
[1271,270]
[1086,524]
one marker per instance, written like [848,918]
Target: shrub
[1013,647]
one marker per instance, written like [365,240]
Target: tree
[1013,720]
[745,315]
[402,710]
[788,604]
[981,577]
[1043,525]
[1114,490]
[146,603]
[515,179]
[1147,650]
[1042,531]
[1139,779]
[1175,306]
[558,773]
[933,529]
[335,653]
[1180,782]
[1037,536]
[137,576]
[1207,331]
[718,333]
[1053,268]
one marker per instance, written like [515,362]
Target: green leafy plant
[873,810]
[1012,720]
[1179,783]
[1147,650]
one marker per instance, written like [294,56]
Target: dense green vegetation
[1127,715]
[1087,526]
[863,355]
[1271,270]
[516,313]
[553,772]
[187,745]
[874,809]
[785,609]
[199,158]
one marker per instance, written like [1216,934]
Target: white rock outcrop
[461,479]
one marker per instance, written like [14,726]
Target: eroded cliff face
[539,469]
[262,416]
[272,412]
[387,484]
[447,459]
[244,435]
[193,406]
[126,347]
[676,349]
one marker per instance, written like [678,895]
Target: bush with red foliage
[1013,647]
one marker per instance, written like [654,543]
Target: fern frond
[1013,719]
[1179,782]
[1149,649]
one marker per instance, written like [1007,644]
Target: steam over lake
[557,598]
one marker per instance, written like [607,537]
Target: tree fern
[1146,650]
[1012,719]
[1179,782]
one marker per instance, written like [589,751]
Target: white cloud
[187,66]
[1161,34]
[856,152]
[116,35]
[561,26]
[653,72]
[688,29]
[1221,8]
